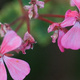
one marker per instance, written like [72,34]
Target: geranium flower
[4,29]
[75,3]
[18,69]
[33,8]
[27,43]
[58,33]
[71,40]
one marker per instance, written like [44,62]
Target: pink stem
[20,2]
[14,22]
[52,15]
[46,20]
[20,25]
[28,22]
[26,15]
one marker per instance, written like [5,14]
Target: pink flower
[33,9]
[18,69]
[72,3]
[75,3]
[58,33]
[30,10]
[27,43]
[71,40]
[4,29]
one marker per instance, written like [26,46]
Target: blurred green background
[46,60]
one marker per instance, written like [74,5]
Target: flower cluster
[71,40]
[68,39]
[59,32]
[33,8]
[27,43]
[18,69]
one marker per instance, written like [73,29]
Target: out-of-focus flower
[58,33]
[71,40]
[27,43]
[4,29]
[18,69]
[75,3]
[33,8]
[72,3]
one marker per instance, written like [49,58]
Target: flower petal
[30,14]
[70,18]
[72,3]
[68,22]
[54,36]
[3,74]
[18,69]
[70,13]
[29,37]
[77,3]
[40,4]
[10,42]
[71,40]
[53,27]
[27,7]
[2,33]
[36,11]
[61,34]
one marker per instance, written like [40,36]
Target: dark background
[46,61]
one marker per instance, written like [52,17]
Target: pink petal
[68,22]
[53,27]
[67,12]
[70,18]
[77,3]
[71,40]
[36,11]
[72,3]
[30,15]
[40,4]
[29,37]
[28,46]
[70,13]
[27,7]
[54,36]
[23,48]
[18,69]
[3,74]
[23,51]
[30,12]
[2,33]
[61,34]
[10,42]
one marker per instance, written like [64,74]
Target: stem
[28,22]
[46,20]
[20,2]
[33,1]
[26,15]
[20,25]
[52,15]
[14,22]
